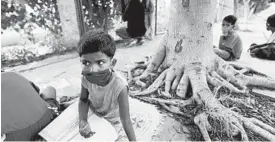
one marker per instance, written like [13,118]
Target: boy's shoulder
[120,79]
[236,35]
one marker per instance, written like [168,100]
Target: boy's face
[95,62]
[226,27]
[269,28]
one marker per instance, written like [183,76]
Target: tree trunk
[186,58]
[190,32]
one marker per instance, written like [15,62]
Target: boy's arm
[83,106]
[254,46]
[125,114]
[269,45]
[237,49]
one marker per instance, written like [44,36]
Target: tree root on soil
[246,70]
[213,116]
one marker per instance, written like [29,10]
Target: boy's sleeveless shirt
[104,99]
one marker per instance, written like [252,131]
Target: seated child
[134,14]
[230,44]
[25,109]
[266,50]
[102,90]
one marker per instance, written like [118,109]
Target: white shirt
[271,38]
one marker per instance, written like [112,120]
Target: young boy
[102,90]
[266,50]
[230,44]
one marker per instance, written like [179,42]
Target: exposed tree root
[204,126]
[263,125]
[235,101]
[259,128]
[216,80]
[152,88]
[245,70]
[182,86]
[175,110]
[131,68]
[215,116]
[240,79]
[175,102]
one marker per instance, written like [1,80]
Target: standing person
[149,11]
[266,50]
[102,89]
[230,44]
[25,109]
[134,14]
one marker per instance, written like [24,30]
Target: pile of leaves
[248,105]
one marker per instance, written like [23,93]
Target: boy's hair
[96,40]
[230,19]
[271,20]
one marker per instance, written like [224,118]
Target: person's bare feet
[131,43]
[148,38]
[140,41]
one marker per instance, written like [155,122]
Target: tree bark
[186,58]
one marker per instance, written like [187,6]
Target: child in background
[230,44]
[134,14]
[102,90]
[266,50]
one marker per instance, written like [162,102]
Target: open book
[65,127]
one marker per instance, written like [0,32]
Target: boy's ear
[235,27]
[113,62]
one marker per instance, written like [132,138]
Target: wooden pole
[80,17]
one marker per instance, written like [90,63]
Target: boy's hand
[85,129]
[252,47]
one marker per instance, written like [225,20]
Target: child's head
[270,23]
[228,24]
[96,51]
